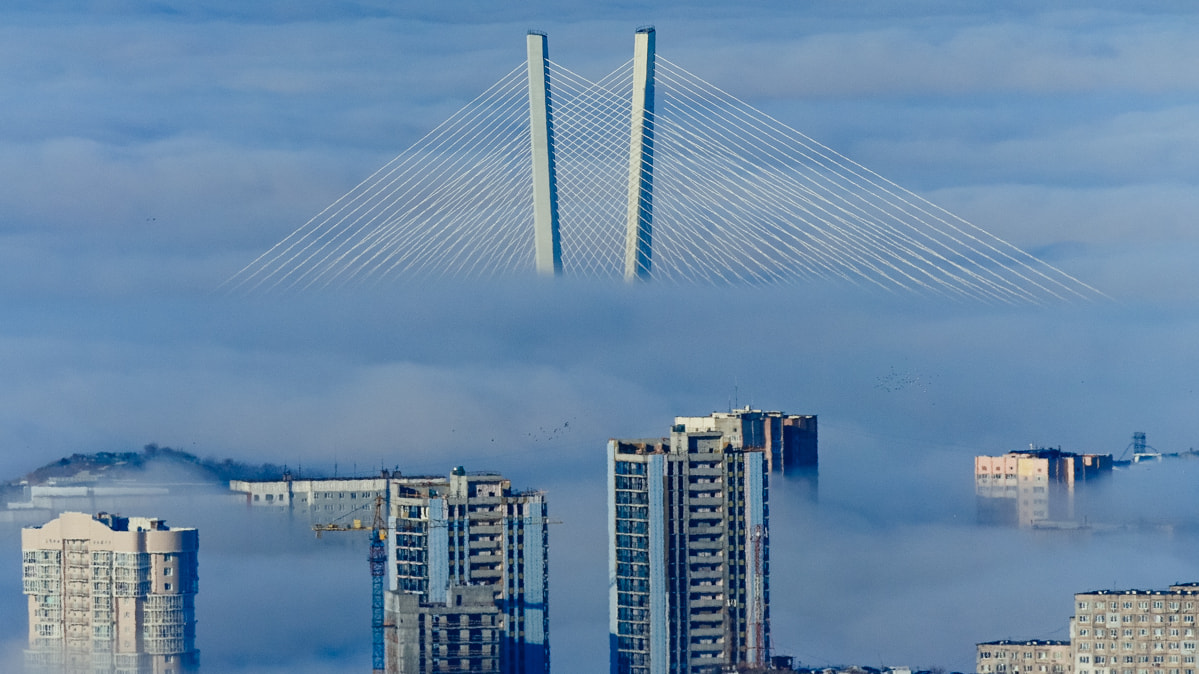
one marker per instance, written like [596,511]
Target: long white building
[110,594]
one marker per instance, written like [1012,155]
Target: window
[167,571]
[166,586]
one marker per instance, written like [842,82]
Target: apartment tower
[468,576]
[689,560]
[1033,487]
[110,594]
[789,440]
[1136,631]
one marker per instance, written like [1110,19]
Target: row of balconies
[705,573]
[164,646]
[165,617]
[42,586]
[490,650]
[715,632]
[455,637]
[450,622]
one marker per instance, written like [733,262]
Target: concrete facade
[462,634]
[322,500]
[638,256]
[469,531]
[110,594]
[1033,487]
[1136,631]
[789,440]
[689,560]
[1036,656]
[547,241]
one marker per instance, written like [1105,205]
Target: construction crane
[378,563]
[758,609]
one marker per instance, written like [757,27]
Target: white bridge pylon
[648,172]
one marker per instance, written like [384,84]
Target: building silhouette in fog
[789,440]
[1033,487]
[110,594]
[689,556]
[468,576]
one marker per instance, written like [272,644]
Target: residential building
[322,499]
[789,440]
[1033,487]
[459,543]
[461,634]
[1136,631]
[110,594]
[689,560]
[1035,656]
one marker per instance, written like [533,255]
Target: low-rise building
[1035,656]
[321,500]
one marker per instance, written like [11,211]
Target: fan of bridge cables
[738,198]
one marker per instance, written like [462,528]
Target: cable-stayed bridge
[646,173]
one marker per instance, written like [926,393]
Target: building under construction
[689,560]
[467,575]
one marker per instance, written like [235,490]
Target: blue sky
[148,151]
[1056,129]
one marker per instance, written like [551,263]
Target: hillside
[153,462]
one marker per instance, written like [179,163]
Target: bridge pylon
[638,254]
[548,243]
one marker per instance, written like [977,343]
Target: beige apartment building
[1033,487]
[110,594]
[1036,656]
[1136,631]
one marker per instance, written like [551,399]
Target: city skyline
[148,153]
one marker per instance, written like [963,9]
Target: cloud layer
[146,154]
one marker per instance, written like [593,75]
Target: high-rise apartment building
[1136,631]
[689,560]
[789,440]
[469,555]
[1033,487]
[110,594]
